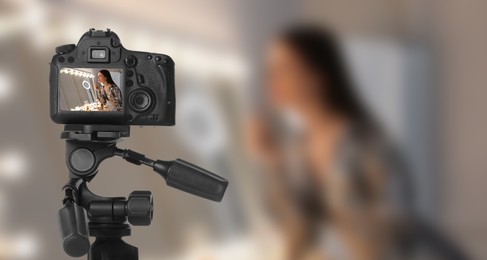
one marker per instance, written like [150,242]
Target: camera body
[98,81]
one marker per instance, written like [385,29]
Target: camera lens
[140,100]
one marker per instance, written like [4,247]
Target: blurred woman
[109,94]
[335,190]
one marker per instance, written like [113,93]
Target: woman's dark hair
[108,76]
[319,49]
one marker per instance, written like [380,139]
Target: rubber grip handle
[74,230]
[190,178]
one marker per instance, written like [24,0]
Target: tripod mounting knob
[139,208]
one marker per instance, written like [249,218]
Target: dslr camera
[98,81]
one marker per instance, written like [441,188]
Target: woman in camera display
[109,93]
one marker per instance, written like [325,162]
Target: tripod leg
[112,249]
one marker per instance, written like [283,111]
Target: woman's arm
[362,208]
[99,95]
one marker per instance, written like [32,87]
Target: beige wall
[462,45]
[457,32]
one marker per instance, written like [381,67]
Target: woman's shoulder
[367,146]
[114,87]
[370,154]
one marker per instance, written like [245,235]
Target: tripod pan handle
[190,178]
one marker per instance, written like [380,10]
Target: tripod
[107,219]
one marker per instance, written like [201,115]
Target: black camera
[98,81]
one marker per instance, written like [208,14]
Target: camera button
[130,73]
[115,43]
[140,100]
[140,79]
[129,83]
[131,61]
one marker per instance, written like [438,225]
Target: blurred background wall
[421,67]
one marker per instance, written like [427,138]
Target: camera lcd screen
[91,89]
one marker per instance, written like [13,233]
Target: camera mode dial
[63,49]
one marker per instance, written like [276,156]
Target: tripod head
[86,214]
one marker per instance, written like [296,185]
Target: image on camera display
[91,89]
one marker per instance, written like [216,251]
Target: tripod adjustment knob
[139,208]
